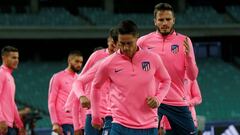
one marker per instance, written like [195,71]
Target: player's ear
[174,20]
[154,21]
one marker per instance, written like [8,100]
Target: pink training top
[73,106]
[79,115]
[193,97]
[132,81]
[95,57]
[70,100]
[83,79]
[8,109]
[172,51]
[59,89]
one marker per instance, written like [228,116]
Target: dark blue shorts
[118,129]
[107,125]
[180,119]
[89,129]
[67,128]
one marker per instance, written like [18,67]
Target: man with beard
[177,53]
[59,89]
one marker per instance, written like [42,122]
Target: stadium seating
[234,11]
[32,80]
[199,15]
[98,16]
[219,83]
[46,17]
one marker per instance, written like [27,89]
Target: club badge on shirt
[174,49]
[146,65]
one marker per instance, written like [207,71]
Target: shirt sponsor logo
[146,65]
[175,49]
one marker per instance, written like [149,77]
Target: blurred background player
[132,73]
[177,53]
[9,115]
[84,99]
[194,98]
[59,89]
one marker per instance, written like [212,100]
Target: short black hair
[7,49]
[113,33]
[75,53]
[127,27]
[162,6]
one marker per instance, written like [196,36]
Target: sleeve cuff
[158,101]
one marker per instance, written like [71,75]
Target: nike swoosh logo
[191,133]
[117,70]
[150,47]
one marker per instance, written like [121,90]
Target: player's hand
[78,132]
[57,129]
[187,47]
[190,104]
[3,128]
[160,131]
[85,102]
[97,126]
[152,102]
[21,131]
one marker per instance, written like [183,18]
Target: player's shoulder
[147,36]
[2,74]
[182,36]
[99,52]
[58,74]
[110,57]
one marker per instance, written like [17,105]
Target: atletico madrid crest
[175,49]
[146,66]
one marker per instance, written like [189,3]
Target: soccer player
[9,115]
[59,89]
[85,98]
[177,54]
[134,97]
[194,98]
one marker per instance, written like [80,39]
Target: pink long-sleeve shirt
[172,51]
[92,60]
[79,115]
[73,106]
[70,100]
[131,82]
[8,109]
[59,89]
[86,78]
[194,98]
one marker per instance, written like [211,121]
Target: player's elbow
[193,75]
